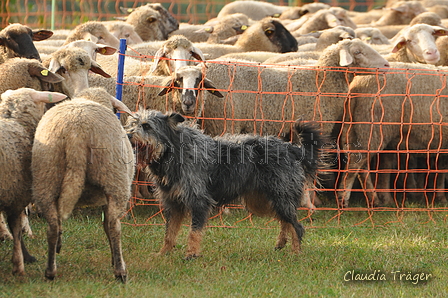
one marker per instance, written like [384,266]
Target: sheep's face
[19,39]
[279,36]
[188,80]
[360,57]
[420,43]
[168,21]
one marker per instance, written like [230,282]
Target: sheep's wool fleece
[81,139]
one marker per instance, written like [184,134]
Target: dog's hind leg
[174,216]
[282,238]
[289,222]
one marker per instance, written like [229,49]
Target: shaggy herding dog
[194,172]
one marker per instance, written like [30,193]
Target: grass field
[241,261]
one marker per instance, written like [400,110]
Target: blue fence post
[120,72]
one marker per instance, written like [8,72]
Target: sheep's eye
[146,126]
[269,32]
[61,70]
[127,35]
[357,53]
[151,20]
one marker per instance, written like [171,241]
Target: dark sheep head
[19,40]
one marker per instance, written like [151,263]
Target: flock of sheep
[375,81]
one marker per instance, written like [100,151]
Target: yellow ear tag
[368,38]
[44,72]
[244,27]
[103,51]
[399,45]
[130,10]
[208,29]
[276,15]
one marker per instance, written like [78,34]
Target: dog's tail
[311,141]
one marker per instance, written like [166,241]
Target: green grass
[241,261]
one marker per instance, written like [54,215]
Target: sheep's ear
[121,18]
[126,10]
[197,53]
[161,53]
[345,58]
[400,9]
[212,89]
[175,118]
[439,31]
[168,86]
[401,42]
[54,65]
[44,74]
[47,97]
[96,68]
[41,34]
[332,20]
[105,50]
[119,105]
[90,37]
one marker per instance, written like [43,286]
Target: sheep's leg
[4,232]
[107,231]
[53,239]
[174,216]
[26,255]
[346,179]
[17,255]
[112,227]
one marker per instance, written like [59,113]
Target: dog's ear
[175,118]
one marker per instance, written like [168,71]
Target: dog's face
[151,133]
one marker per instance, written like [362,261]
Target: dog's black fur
[194,172]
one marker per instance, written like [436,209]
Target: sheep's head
[189,81]
[420,43]
[19,40]
[268,35]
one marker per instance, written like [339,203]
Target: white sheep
[256,10]
[18,72]
[20,112]
[91,48]
[173,53]
[94,31]
[16,40]
[371,35]
[293,13]
[400,13]
[265,35]
[244,84]
[151,92]
[326,18]
[73,64]
[151,21]
[417,43]
[411,117]
[123,30]
[81,156]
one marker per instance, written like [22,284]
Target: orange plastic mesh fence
[259,103]
[69,13]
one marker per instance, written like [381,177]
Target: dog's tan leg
[194,244]
[283,235]
[173,224]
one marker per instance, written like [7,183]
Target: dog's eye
[146,126]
